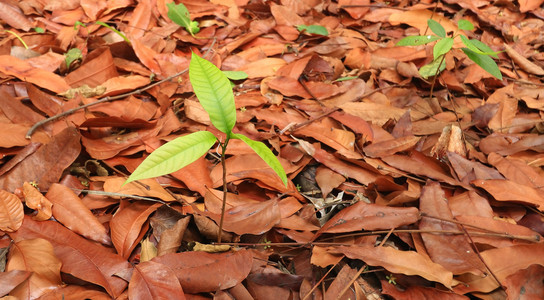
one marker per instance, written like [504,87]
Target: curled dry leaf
[11,212]
[11,279]
[35,200]
[127,223]
[523,62]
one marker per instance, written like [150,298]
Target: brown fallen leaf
[36,256]
[69,210]
[208,272]
[523,62]
[11,212]
[21,69]
[153,280]
[80,258]
[35,200]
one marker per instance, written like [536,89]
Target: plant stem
[224,165]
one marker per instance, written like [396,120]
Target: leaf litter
[390,188]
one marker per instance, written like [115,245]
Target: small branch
[103,193]
[101,100]
[224,205]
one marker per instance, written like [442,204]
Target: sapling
[475,50]
[213,90]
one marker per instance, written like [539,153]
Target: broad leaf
[174,155]
[484,61]
[465,25]
[442,47]
[478,47]
[179,14]
[313,29]
[433,68]
[436,28]
[266,154]
[214,92]
[417,40]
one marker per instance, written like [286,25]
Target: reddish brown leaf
[46,165]
[517,170]
[419,293]
[390,147]
[252,218]
[11,212]
[95,70]
[397,261]
[451,251]
[36,256]
[35,200]
[526,284]
[126,225]
[81,258]
[75,292]
[340,283]
[11,279]
[327,179]
[69,210]
[152,280]
[506,190]
[205,272]
[21,69]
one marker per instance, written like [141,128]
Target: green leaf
[114,30]
[416,40]
[465,25]
[71,56]
[213,90]
[346,78]
[174,155]
[436,28]
[442,47]
[478,47]
[235,75]
[484,61]
[313,29]
[179,14]
[435,67]
[265,153]
[39,29]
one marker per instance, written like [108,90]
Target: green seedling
[475,50]
[114,30]
[18,37]
[39,29]
[71,56]
[313,29]
[179,14]
[213,89]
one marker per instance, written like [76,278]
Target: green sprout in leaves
[114,30]
[213,89]
[313,29]
[179,14]
[71,56]
[475,50]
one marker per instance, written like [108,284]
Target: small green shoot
[18,37]
[235,75]
[391,279]
[179,14]
[114,30]
[39,29]
[313,29]
[213,89]
[475,50]
[346,78]
[71,56]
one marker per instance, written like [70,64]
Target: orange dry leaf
[11,212]
[35,200]
[69,210]
[21,69]
[152,280]
[36,256]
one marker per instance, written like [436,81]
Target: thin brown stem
[224,205]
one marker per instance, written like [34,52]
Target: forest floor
[399,186]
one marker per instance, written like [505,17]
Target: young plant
[179,14]
[214,91]
[475,50]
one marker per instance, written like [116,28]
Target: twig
[103,193]
[108,98]
[346,288]
[101,100]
